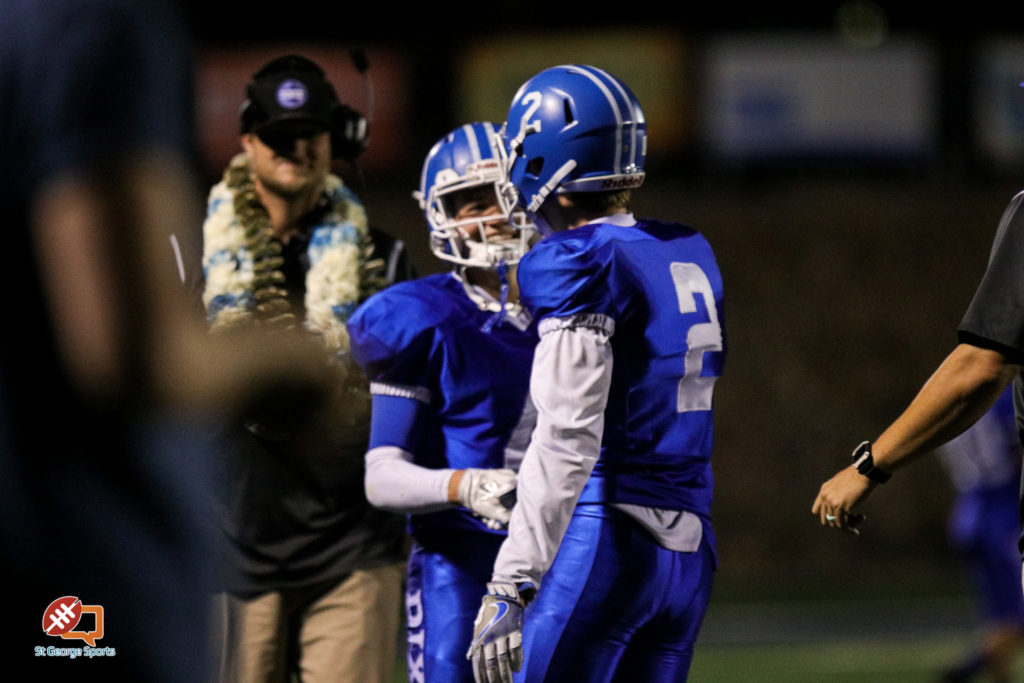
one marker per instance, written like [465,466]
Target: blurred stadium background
[849,162]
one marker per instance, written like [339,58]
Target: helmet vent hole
[535,166]
[569,118]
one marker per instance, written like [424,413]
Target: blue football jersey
[660,285]
[471,376]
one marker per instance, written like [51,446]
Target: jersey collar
[623,220]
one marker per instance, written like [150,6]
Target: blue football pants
[615,605]
[442,599]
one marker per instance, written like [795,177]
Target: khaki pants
[346,634]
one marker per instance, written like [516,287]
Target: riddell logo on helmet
[484,165]
[622,183]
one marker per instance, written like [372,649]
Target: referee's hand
[839,496]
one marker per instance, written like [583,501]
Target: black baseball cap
[288,90]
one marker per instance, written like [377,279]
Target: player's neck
[489,281]
[484,278]
[580,218]
[562,214]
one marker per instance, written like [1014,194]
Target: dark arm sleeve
[995,318]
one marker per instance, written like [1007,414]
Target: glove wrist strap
[522,592]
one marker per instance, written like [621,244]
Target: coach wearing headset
[313,572]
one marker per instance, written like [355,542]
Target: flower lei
[242,261]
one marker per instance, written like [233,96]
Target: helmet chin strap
[541,221]
[498,317]
[550,186]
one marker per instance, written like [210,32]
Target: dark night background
[845,278]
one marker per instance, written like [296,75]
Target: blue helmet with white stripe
[462,161]
[573,128]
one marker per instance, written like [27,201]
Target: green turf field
[862,641]
[881,641]
[858,661]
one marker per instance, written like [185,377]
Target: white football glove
[497,647]
[488,493]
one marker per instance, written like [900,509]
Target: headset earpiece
[350,133]
[250,112]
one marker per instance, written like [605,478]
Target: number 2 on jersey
[694,391]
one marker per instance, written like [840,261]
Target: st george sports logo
[62,619]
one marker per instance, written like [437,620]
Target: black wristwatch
[865,464]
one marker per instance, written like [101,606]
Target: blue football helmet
[467,159]
[572,128]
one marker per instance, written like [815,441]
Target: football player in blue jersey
[449,359]
[617,476]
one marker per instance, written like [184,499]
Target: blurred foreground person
[984,464]
[107,382]
[313,571]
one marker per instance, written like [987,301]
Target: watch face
[862,457]
[865,464]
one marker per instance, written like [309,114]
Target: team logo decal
[292,94]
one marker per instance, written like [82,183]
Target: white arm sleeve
[393,482]
[569,384]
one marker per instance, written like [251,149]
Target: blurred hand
[248,371]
